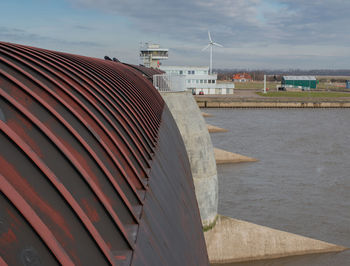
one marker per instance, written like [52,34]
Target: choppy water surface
[301,183]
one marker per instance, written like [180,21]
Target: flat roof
[154,49]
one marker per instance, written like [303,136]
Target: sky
[256,34]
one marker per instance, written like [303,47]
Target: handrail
[169,82]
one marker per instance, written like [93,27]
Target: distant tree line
[331,75]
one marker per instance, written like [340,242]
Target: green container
[304,82]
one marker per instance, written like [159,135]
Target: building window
[181,72]
[201,81]
[189,72]
[192,72]
[213,81]
[197,81]
[205,81]
[209,81]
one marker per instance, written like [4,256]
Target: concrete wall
[217,102]
[199,149]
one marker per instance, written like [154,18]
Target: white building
[151,54]
[198,79]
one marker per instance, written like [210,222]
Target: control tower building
[151,54]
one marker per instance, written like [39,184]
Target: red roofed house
[242,77]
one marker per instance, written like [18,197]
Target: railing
[169,82]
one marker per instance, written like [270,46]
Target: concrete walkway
[233,240]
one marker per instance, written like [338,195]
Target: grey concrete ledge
[233,240]
[206,114]
[225,157]
[215,129]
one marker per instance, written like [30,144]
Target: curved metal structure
[93,170]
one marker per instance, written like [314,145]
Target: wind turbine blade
[206,47]
[214,43]
[209,36]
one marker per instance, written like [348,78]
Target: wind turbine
[211,44]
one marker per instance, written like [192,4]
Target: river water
[301,183]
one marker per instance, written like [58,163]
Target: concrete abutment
[200,151]
[228,240]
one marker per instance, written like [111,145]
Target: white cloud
[282,21]
[253,31]
[23,36]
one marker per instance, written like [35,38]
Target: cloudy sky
[256,34]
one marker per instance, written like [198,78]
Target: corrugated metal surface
[93,169]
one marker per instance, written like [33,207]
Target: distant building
[348,84]
[241,77]
[151,54]
[299,82]
[198,79]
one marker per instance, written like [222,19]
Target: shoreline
[220,101]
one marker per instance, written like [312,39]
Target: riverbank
[249,99]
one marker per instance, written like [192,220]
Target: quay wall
[273,103]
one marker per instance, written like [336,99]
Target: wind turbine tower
[210,45]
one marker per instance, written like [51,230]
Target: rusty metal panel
[82,147]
